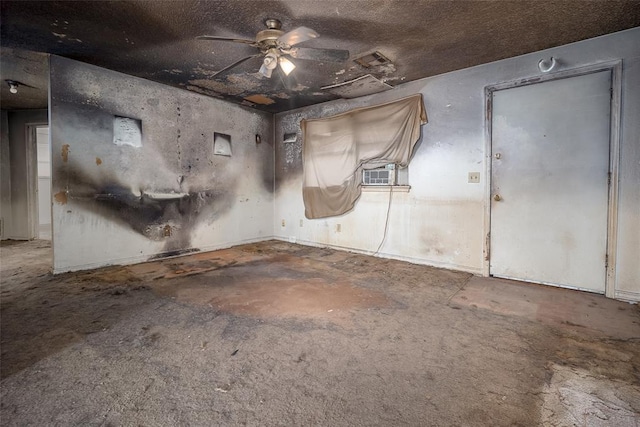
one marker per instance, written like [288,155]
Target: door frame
[32,177]
[615,67]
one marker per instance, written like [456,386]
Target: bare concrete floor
[280,334]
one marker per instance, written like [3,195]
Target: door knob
[497,198]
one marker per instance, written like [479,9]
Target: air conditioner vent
[380,176]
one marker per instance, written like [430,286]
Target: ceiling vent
[363,85]
[372,59]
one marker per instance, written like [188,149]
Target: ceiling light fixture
[13,86]
[286,65]
[269,63]
[277,47]
[272,59]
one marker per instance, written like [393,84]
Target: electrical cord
[386,223]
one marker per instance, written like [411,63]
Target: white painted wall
[440,221]
[175,156]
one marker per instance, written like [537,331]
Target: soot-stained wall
[441,221]
[123,200]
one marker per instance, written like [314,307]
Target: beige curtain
[336,150]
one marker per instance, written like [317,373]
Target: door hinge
[606,261]
[609,178]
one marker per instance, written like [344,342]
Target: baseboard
[628,296]
[156,257]
[412,260]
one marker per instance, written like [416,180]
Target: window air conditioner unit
[380,176]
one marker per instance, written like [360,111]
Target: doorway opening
[43,183]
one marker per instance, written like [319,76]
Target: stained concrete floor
[279,334]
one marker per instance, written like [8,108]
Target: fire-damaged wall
[441,220]
[135,175]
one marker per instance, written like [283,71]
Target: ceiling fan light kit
[276,45]
[285,65]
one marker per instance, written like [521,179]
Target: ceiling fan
[276,45]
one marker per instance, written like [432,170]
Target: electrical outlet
[338,228]
[474,177]
[301,223]
[283,222]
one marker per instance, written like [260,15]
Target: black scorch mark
[159,215]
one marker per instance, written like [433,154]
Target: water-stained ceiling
[156,40]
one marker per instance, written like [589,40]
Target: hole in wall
[221,144]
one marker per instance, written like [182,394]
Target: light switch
[474,177]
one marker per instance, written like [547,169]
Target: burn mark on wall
[166,189]
[61,197]
[159,215]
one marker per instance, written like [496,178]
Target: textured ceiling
[156,40]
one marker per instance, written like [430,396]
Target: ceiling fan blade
[298,35]
[227,39]
[329,55]
[228,67]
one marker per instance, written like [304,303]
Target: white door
[549,182]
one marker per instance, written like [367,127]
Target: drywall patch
[127,131]
[260,99]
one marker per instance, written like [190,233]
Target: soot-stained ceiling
[156,40]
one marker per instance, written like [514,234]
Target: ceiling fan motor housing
[268,38]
